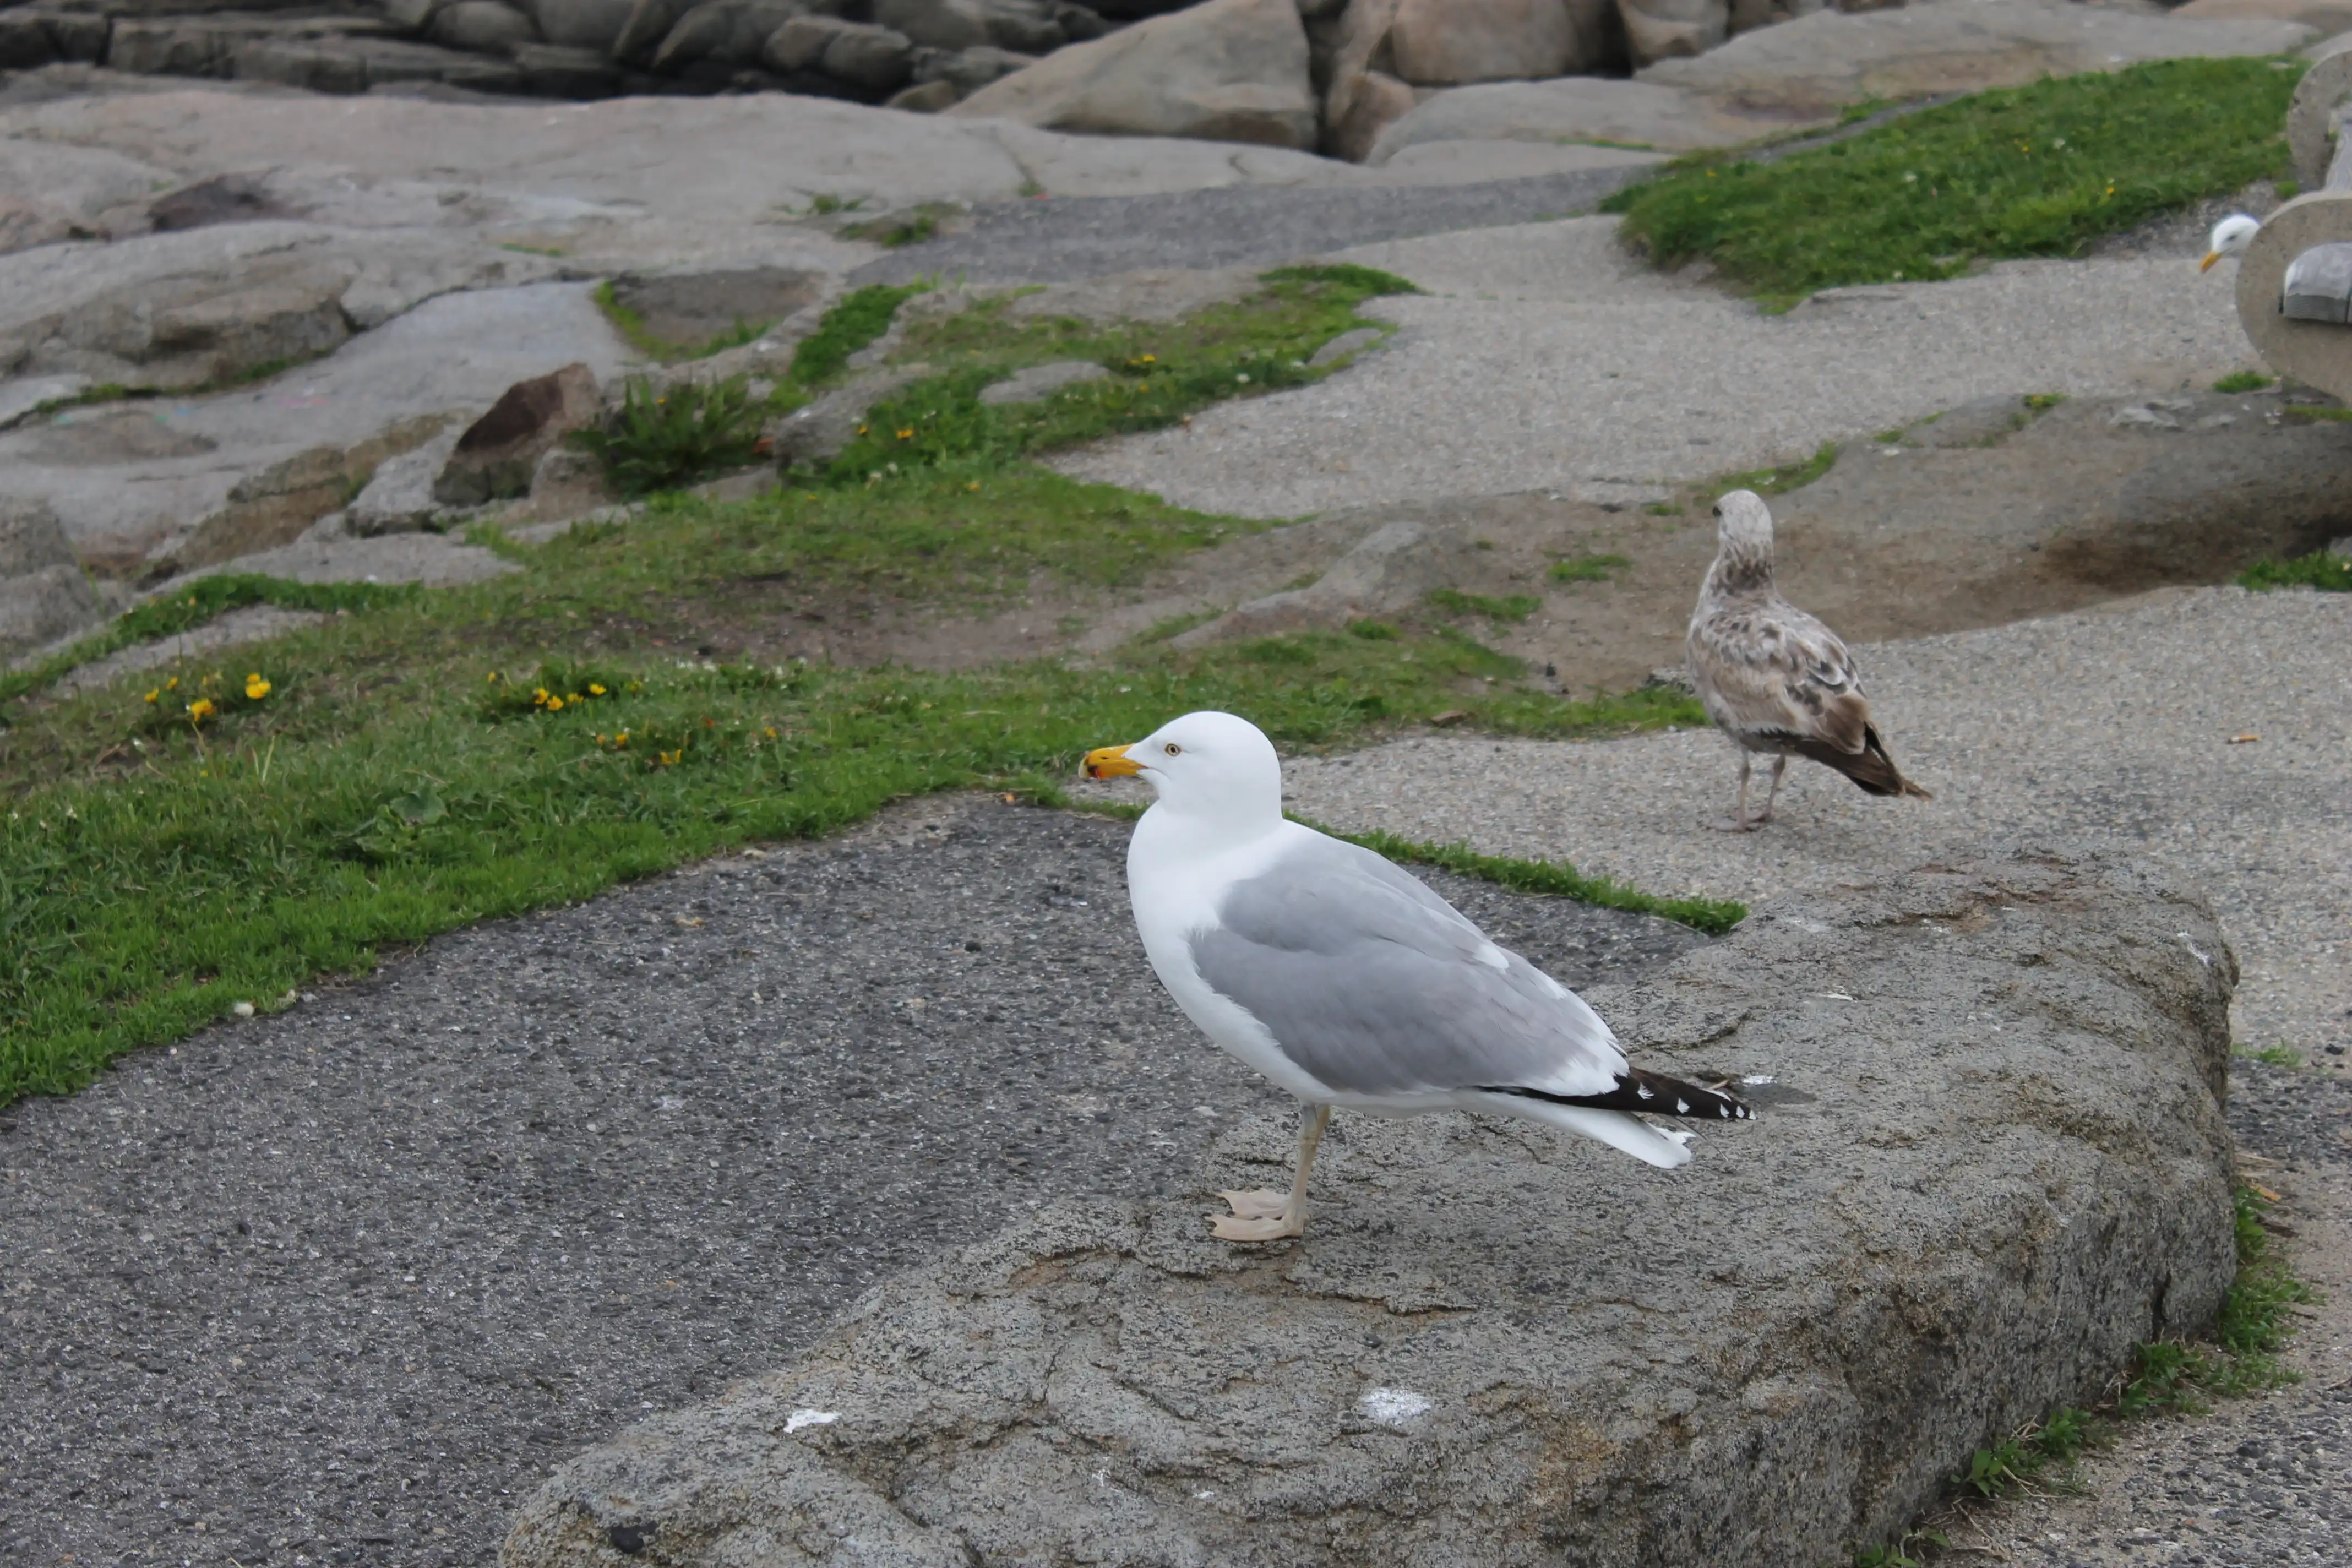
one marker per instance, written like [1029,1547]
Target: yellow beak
[2211,257]
[1111,763]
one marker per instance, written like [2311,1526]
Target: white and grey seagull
[1346,981]
[1771,677]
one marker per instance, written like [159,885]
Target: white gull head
[1212,767]
[2231,237]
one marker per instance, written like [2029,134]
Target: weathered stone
[932,97]
[411,16]
[818,433]
[968,70]
[1376,101]
[873,59]
[31,539]
[1039,382]
[554,70]
[1444,43]
[481,25]
[1981,423]
[650,22]
[278,504]
[1664,29]
[1389,570]
[398,498]
[1573,109]
[499,452]
[800,44]
[1025,26]
[582,24]
[1785,1347]
[1226,70]
[1816,64]
[50,193]
[2313,115]
[730,32]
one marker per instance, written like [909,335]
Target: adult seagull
[1771,677]
[1347,981]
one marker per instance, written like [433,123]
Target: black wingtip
[1653,1092]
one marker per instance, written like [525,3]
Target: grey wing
[1373,984]
[1769,669]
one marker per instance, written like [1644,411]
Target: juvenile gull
[1347,981]
[1773,678]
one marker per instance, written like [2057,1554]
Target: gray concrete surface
[1544,357]
[341,1284]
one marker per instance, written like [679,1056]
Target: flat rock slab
[563,1169]
[1073,238]
[1991,1157]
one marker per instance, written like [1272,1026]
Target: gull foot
[1273,1227]
[1259,1202]
[1738,824]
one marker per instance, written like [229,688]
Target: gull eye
[1173,749]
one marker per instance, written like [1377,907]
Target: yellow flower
[201,710]
[771,731]
[861,430]
[973,486]
[669,758]
[255,688]
[622,739]
[554,704]
[493,675]
[173,684]
[573,696]
[538,695]
[158,691]
[595,690]
[908,434]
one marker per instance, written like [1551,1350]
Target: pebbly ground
[335,1285]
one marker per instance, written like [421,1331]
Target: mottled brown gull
[1774,678]
[1346,981]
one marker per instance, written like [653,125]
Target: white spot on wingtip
[807,1418]
[1391,1407]
[1682,1106]
[1643,1089]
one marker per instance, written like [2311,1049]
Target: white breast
[1175,894]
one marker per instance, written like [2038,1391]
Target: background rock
[1227,70]
[1025,26]
[44,594]
[1448,42]
[582,24]
[1041,381]
[1496,1344]
[483,24]
[499,452]
[1664,30]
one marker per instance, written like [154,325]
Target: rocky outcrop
[44,593]
[499,453]
[1988,1159]
[1226,70]
[1664,29]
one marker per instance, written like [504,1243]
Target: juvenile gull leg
[1780,766]
[1739,821]
[1264,1214]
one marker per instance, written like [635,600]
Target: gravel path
[1543,357]
[2112,726]
[334,1286]
[1070,238]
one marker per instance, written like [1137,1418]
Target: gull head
[1210,764]
[1743,524]
[2231,238]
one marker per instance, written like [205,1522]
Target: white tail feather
[1615,1128]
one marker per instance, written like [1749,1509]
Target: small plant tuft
[667,438]
[1513,607]
[1781,480]
[2329,574]
[864,316]
[2244,381]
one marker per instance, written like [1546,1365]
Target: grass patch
[2244,381]
[1782,479]
[2272,1056]
[2329,574]
[2039,170]
[2306,413]
[1511,607]
[859,319]
[1588,568]
[2252,1327]
[1161,373]
[1713,916]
